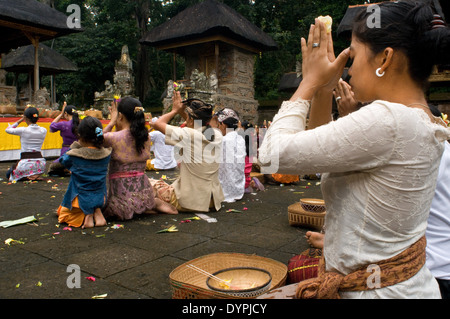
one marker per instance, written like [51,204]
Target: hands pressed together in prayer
[345,98]
[60,115]
[320,68]
[178,107]
[114,114]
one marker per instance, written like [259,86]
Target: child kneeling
[88,161]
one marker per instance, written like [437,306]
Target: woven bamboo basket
[43,113]
[298,216]
[313,205]
[245,282]
[53,114]
[8,109]
[187,283]
[94,113]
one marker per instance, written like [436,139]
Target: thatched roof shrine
[209,21]
[346,24]
[29,21]
[50,61]
[20,19]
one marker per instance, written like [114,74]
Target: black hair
[133,111]
[245,126]
[407,26]
[91,131]
[32,114]
[71,110]
[199,110]
[434,110]
[230,121]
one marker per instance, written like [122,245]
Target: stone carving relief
[199,83]
[42,98]
[123,78]
[2,77]
[123,83]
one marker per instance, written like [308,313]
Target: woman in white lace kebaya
[380,163]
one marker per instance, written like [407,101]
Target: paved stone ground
[133,262]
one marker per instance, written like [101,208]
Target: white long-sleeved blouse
[379,168]
[232,167]
[31,137]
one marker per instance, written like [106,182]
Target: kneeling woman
[129,190]
[198,187]
[88,161]
[68,130]
[31,164]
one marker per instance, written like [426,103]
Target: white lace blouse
[231,170]
[31,137]
[379,168]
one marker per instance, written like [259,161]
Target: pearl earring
[378,73]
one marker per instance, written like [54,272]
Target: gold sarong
[399,268]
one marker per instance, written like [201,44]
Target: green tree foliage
[110,24]
[95,50]
[287,21]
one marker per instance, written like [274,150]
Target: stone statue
[123,78]
[109,88]
[42,98]
[170,89]
[200,82]
[213,82]
[2,77]
[194,78]
[200,87]
[123,83]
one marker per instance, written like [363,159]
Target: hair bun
[412,28]
[139,109]
[437,22]
[31,112]
[436,43]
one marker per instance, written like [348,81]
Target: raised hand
[320,68]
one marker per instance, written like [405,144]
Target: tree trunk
[142,78]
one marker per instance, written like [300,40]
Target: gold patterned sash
[399,268]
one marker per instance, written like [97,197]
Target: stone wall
[247,108]
[235,78]
[444,107]
[8,94]
[236,73]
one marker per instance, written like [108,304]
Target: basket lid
[263,277]
[312,201]
[217,261]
